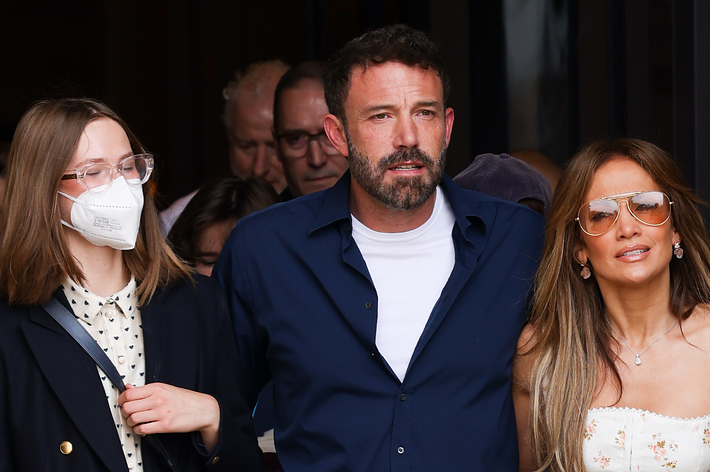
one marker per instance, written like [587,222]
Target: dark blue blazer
[50,390]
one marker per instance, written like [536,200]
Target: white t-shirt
[409,271]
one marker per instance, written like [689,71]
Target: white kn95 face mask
[110,218]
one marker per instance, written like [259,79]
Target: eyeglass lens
[135,169]
[651,208]
[296,145]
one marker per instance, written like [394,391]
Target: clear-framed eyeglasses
[598,216]
[98,177]
[295,145]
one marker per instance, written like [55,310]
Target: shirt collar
[335,204]
[87,305]
[472,217]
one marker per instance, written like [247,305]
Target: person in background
[613,371]
[310,161]
[199,234]
[248,118]
[541,163]
[503,176]
[79,228]
[386,308]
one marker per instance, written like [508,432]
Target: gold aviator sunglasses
[598,216]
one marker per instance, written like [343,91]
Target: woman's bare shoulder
[524,358]
[697,327]
[528,338]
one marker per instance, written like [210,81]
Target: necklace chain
[638,356]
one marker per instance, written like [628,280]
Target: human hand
[163,408]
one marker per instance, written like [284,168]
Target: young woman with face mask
[79,226]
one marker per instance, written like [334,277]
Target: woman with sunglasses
[79,226]
[613,371]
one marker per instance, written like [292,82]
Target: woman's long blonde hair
[34,255]
[572,341]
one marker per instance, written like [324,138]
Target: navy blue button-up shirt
[305,312]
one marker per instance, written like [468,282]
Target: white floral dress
[627,439]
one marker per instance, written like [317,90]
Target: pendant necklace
[638,356]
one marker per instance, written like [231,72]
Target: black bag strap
[68,321]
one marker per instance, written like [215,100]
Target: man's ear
[449,121]
[335,131]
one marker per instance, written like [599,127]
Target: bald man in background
[248,118]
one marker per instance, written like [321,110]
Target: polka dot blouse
[115,323]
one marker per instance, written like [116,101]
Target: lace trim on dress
[611,409]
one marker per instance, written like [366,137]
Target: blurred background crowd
[547,75]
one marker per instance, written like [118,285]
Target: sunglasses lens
[651,208]
[598,215]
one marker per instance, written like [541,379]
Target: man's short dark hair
[398,43]
[309,70]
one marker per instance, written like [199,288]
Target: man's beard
[401,193]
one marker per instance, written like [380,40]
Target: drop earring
[677,250]
[586,272]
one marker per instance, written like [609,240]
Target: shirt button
[403,397]
[130,462]
[121,359]
[215,460]
[368,305]
[400,450]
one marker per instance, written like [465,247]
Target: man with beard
[386,308]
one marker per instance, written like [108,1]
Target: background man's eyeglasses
[295,145]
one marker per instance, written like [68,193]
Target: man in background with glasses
[310,162]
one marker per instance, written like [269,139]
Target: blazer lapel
[73,377]
[152,322]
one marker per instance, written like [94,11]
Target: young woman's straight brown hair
[571,353]
[34,255]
